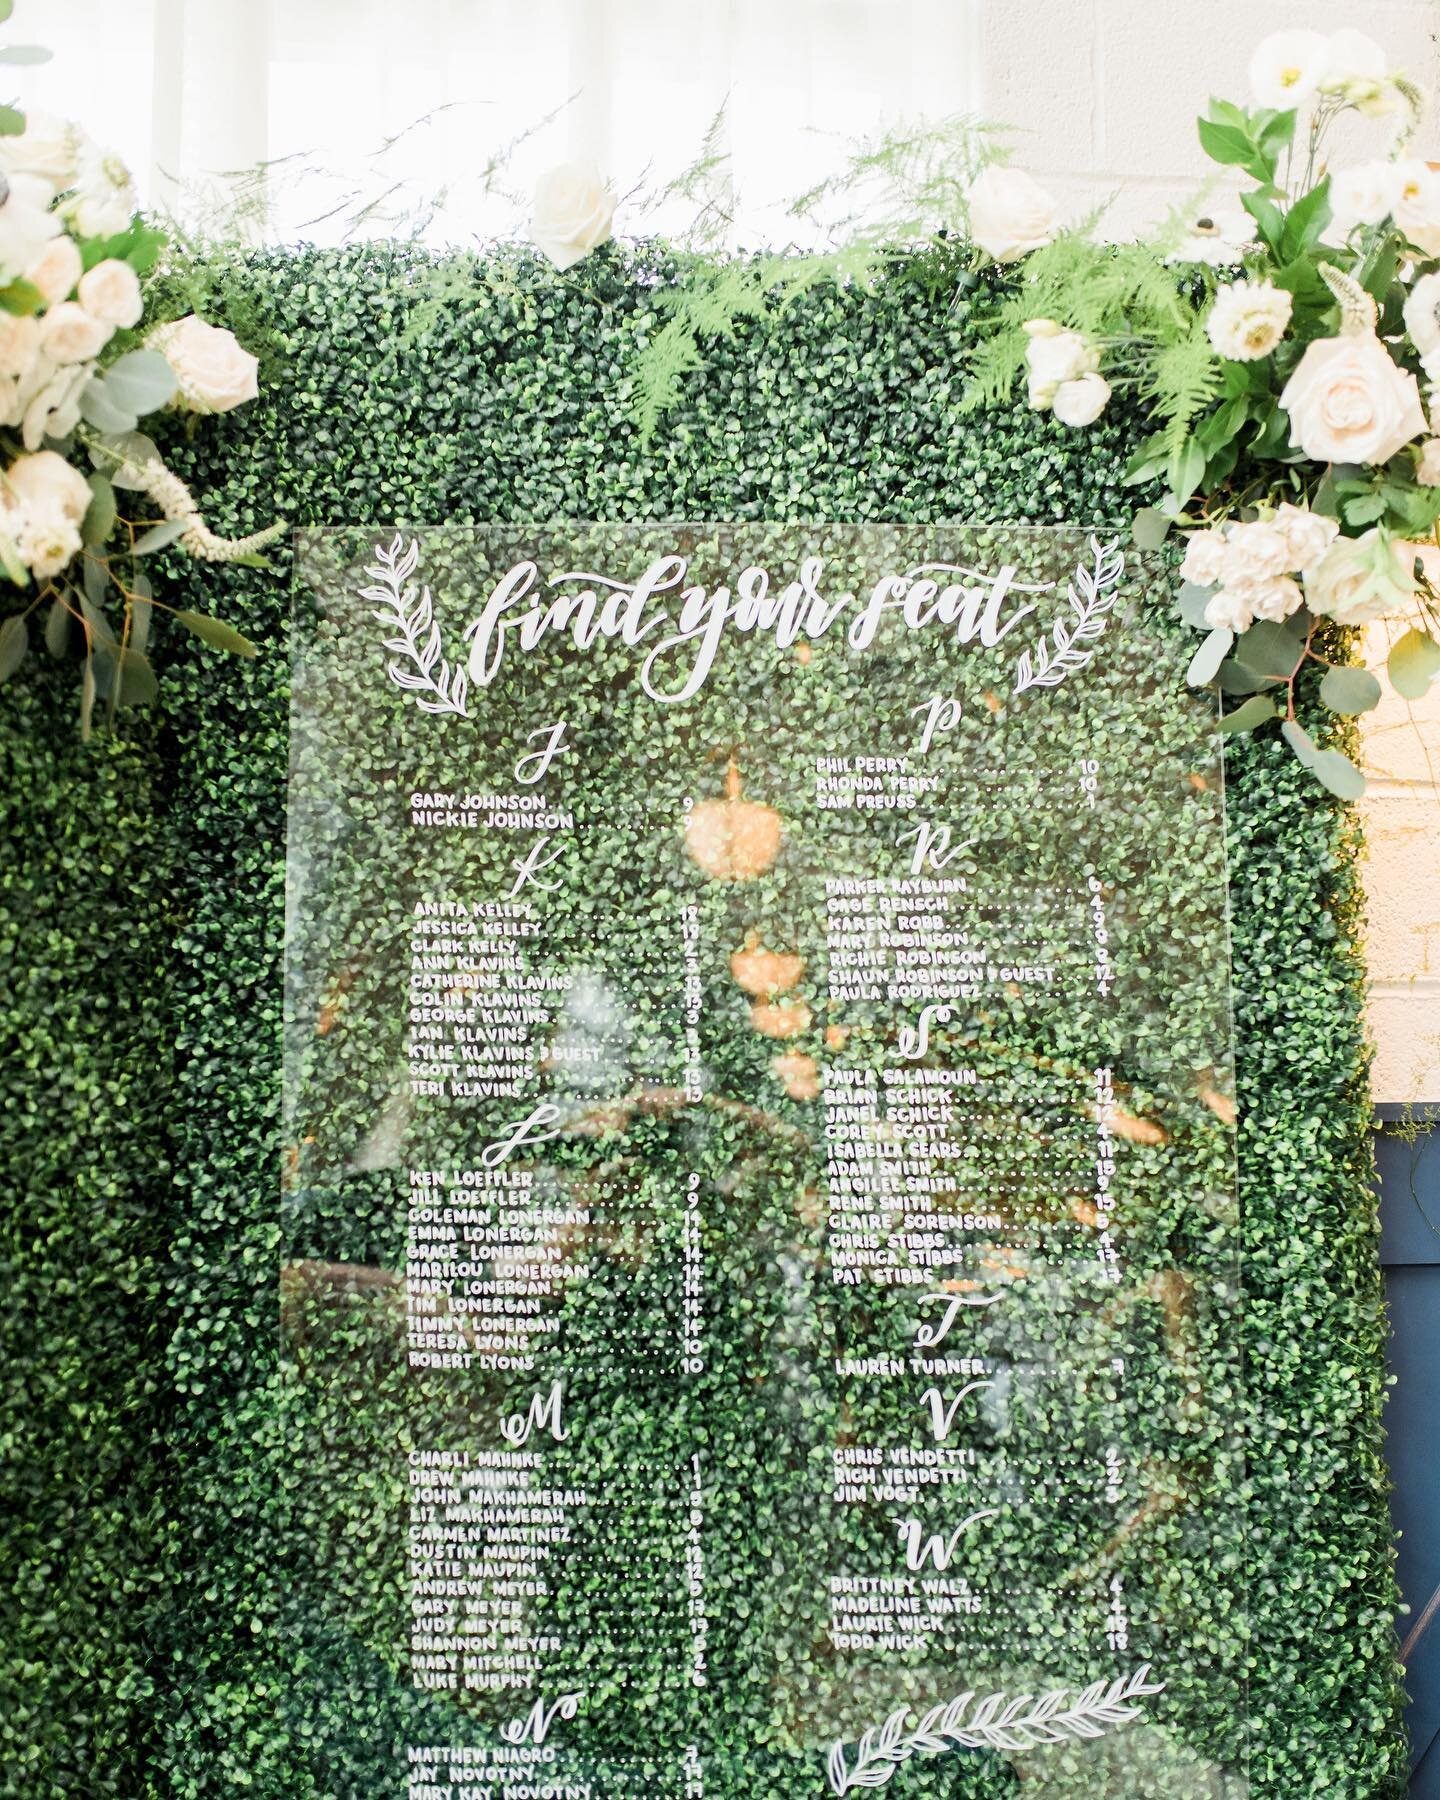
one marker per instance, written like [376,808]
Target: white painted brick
[1040,77]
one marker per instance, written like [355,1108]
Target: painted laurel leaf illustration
[1072,642]
[407,610]
[993,1723]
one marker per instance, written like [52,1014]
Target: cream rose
[49,147]
[56,271]
[1348,401]
[213,373]
[68,334]
[46,483]
[1081,402]
[19,345]
[111,292]
[1010,214]
[1275,599]
[1228,609]
[1427,464]
[1359,580]
[574,211]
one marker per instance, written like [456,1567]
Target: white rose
[1060,355]
[1349,402]
[1363,195]
[1229,609]
[212,371]
[1308,535]
[1275,599]
[54,408]
[26,223]
[1288,67]
[46,543]
[111,292]
[56,271]
[68,334]
[1427,465]
[1009,213]
[1359,580]
[104,201]
[48,147]
[1416,208]
[1430,363]
[19,345]
[1081,402]
[1248,319]
[46,483]
[574,211]
[1422,313]
[1255,552]
[1204,558]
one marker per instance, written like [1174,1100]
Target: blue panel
[1414,1447]
[1409,1194]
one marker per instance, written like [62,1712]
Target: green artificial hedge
[170,1561]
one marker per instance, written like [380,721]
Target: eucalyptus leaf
[140,617]
[14,642]
[25,56]
[1334,770]
[10,561]
[140,382]
[1413,663]
[57,628]
[1349,690]
[217,632]
[95,579]
[133,680]
[120,455]
[1249,714]
[100,629]
[1206,661]
[1300,741]
[1235,678]
[1149,528]
[1191,602]
[1268,649]
[160,535]
[87,700]
[12,121]
[100,514]
[100,409]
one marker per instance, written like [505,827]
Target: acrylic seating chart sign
[761,1253]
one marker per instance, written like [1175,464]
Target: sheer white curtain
[373,116]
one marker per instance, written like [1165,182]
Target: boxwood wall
[163,1542]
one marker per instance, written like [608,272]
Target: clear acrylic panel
[760,1230]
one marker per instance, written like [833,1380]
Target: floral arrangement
[85,496]
[1292,366]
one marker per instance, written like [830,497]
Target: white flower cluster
[1292,68]
[1064,373]
[1253,566]
[1010,214]
[42,504]
[55,183]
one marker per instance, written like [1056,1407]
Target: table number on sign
[760,1226]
